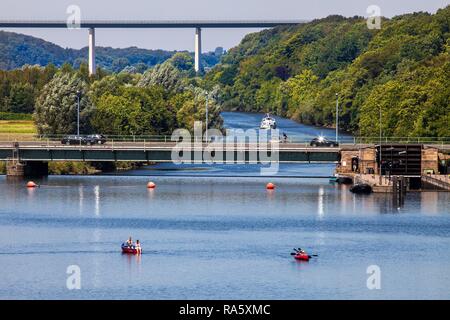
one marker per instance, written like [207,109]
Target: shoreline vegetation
[89,168]
[84,168]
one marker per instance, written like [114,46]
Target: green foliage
[56,106]
[19,88]
[134,110]
[121,103]
[191,107]
[296,72]
[182,61]
[165,75]
[70,168]
[21,98]
[15,116]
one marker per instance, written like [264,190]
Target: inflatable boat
[130,250]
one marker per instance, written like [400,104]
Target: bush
[70,167]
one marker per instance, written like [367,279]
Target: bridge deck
[49,150]
[123,24]
[162,152]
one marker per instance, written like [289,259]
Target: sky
[183,39]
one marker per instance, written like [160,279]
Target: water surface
[220,235]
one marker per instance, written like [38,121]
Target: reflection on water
[320,203]
[97,200]
[429,203]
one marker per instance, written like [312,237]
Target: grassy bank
[15,116]
[17,126]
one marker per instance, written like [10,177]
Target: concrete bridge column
[198,49]
[92,66]
[15,168]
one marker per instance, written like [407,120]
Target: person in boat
[285,137]
[129,242]
[138,247]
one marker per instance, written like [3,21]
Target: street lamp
[78,112]
[380,146]
[337,117]
[206,117]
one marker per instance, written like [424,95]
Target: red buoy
[31,184]
[151,185]
[270,186]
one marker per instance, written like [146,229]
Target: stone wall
[430,160]
[367,161]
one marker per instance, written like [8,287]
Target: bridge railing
[402,140]
[346,140]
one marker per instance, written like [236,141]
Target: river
[215,232]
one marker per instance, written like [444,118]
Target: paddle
[311,255]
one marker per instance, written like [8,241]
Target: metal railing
[10,137]
[437,182]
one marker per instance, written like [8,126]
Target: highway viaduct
[197,25]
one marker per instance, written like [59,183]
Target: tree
[119,64]
[56,106]
[134,111]
[182,61]
[191,107]
[21,98]
[165,75]
[116,115]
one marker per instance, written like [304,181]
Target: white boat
[268,123]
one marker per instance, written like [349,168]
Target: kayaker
[138,247]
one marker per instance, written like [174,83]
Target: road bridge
[349,157]
[92,25]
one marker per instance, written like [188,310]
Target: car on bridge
[96,139]
[323,142]
[74,139]
[84,140]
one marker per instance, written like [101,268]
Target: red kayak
[130,250]
[302,257]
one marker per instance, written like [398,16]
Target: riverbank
[83,168]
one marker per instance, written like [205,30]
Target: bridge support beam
[198,49]
[92,66]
